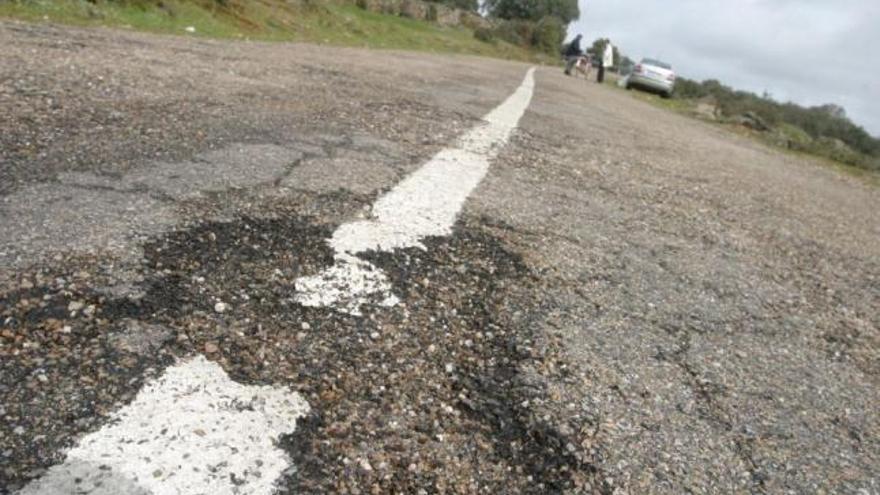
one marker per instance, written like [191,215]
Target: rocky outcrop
[428,11]
[707,108]
[752,121]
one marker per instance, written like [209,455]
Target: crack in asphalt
[504,226]
[152,193]
[711,411]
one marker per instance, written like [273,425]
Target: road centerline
[426,203]
[191,430]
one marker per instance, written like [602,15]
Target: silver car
[652,75]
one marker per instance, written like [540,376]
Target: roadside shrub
[467,5]
[837,150]
[141,4]
[545,35]
[548,34]
[794,137]
[432,13]
[517,32]
[688,89]
[484,34]
[472,20]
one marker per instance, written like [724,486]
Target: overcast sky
[807,51]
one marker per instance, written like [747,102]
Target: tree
[548,34]
[598,49]
[564,10]
[626,64]
[833,110]
[534,10]
[471,5]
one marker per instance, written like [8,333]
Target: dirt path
[630,302]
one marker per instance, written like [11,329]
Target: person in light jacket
[607,61]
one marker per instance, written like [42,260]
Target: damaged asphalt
[623,307]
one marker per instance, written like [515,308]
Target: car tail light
[638,67]
[671,77]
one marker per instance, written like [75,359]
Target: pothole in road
[432,395]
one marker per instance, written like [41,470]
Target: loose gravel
[632,302]
[445,395]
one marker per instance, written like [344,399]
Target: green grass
[333,22]
[83,13]
[673,104]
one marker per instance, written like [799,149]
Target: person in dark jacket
[571,54]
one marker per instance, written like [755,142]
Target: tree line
[536,24]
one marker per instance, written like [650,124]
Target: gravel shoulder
[721,298]
[632,301]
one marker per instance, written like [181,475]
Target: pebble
[305,326]
[75,306]
[220,307]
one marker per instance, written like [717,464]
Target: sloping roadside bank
[333,22]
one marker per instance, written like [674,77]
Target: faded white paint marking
[424,204]
[350,279]
[191,431]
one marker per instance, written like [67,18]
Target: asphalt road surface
[244,268]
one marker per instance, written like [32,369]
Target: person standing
[572,53]
[607,61]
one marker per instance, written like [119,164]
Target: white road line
[424,204]
[191,431]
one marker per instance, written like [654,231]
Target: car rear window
[656,63]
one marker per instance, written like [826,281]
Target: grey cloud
[808,51]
